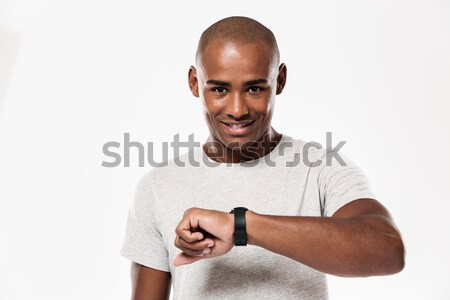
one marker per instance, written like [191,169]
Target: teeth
[235,126]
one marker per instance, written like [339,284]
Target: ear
[281,79]
[192,81]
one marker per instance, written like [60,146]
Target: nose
[237,106]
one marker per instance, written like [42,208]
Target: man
[300,221]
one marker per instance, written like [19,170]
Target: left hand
[203,233]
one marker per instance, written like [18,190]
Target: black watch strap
[240,232]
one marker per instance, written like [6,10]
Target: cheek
[263,106]
[209,113]
[212,107]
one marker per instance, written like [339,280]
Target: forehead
[228,61]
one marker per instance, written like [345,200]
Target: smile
[238,128]
[238,125]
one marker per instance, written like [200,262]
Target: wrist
[250,217]
[240,227]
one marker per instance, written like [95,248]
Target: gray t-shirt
[284,182]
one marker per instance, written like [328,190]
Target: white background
[77,74]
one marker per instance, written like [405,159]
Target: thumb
[185,259]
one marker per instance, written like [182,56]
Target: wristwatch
[240,232]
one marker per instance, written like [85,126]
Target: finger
[196,253]
[184,230]
[200,249]
[185,259]
[194,249]
[195,246]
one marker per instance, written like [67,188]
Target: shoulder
[312,154]
[304,152]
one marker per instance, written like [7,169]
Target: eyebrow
[254,82]
[227,84]
[218,82]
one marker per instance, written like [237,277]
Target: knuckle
[190,210]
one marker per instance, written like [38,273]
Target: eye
[219,90]
[255,89]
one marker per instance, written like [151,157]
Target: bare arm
[148,283]
[360,239]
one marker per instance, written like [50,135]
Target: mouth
[238,128]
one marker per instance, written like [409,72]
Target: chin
[238,142]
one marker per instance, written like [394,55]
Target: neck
[217,151]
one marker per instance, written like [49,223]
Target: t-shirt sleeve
[143,242]
[340,181]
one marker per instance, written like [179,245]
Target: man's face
[237,84]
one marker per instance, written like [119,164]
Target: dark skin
[149,283]
[238,83]
[359,240]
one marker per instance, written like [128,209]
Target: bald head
[240,31]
